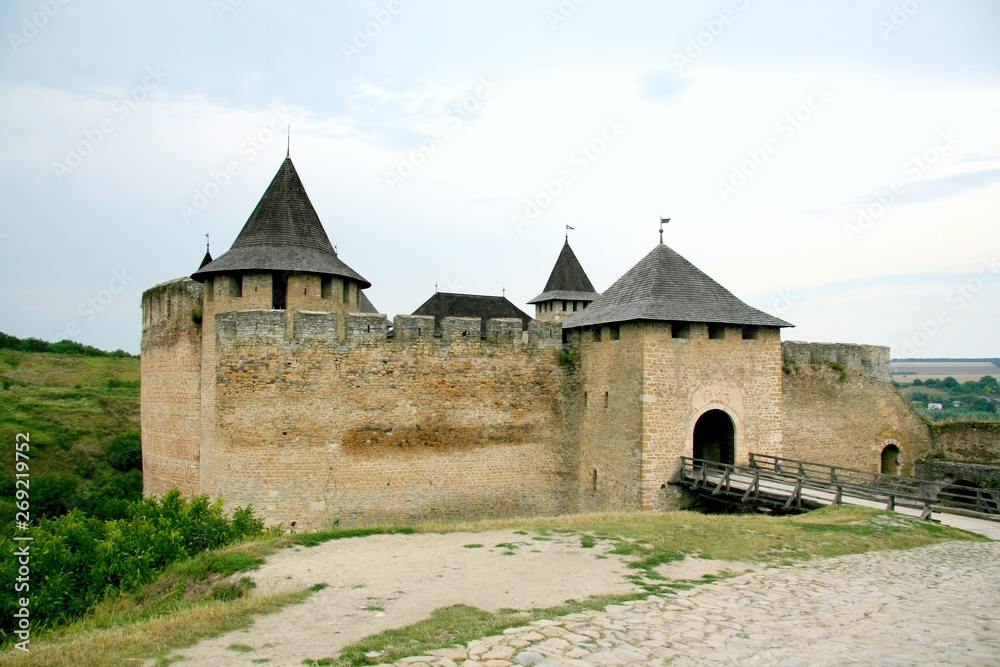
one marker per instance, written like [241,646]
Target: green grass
[72,406]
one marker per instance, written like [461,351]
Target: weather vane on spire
[288,142]
[568,228]
[663,221]
[207,249]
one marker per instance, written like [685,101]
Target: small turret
[283,259]
[568,290]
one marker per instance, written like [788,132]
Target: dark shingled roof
[366,305]
[664,286]
[447,304]
[283,233]
[207,259]
[568,280]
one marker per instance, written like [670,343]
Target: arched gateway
[715,437]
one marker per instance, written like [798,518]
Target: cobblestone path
[937,605]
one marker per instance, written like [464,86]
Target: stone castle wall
[686,377]
[970,442]
[840,407]
[315,429]
[170,400]
[609,476]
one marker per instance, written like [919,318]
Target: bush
[77,561]
[125,452]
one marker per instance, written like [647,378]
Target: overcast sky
[836,164]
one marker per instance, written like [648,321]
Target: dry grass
[87,643]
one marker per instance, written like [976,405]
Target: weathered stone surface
[833,612]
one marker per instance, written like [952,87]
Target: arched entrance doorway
[715,437]
[890,460]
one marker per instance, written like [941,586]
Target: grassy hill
[77,408]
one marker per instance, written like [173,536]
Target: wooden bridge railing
[794,481]
[970,498]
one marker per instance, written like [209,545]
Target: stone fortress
[269,378]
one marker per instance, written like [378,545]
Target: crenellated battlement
[172,307]
[867,361]
[270,327]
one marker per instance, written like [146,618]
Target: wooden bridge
[787,485]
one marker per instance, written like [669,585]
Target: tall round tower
[281,261]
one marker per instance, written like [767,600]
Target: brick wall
[683,378]
[170,403]
[367,428]
[610,426]
[971,442]
[841,408]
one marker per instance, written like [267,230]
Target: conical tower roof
[664,286]
[283,233]
[568,280]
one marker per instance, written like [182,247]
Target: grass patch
[457,624]
[473,546]
[587,541]
[240,648]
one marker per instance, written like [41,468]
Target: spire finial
[288,144]
[663,221]
[505,292]
[568,228]
[206,243]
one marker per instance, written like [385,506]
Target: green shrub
[77,561]
[125,451]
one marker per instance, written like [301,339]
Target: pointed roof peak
[664,286]
[283,233]
[568,280]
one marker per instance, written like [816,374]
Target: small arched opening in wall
[891,462]
[715,437]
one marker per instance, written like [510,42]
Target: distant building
[935,406]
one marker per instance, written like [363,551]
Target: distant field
[963,371]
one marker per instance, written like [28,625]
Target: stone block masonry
[170,401]
[316,429]
[840,407]
[321,415]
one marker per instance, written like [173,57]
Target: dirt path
[386,581]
